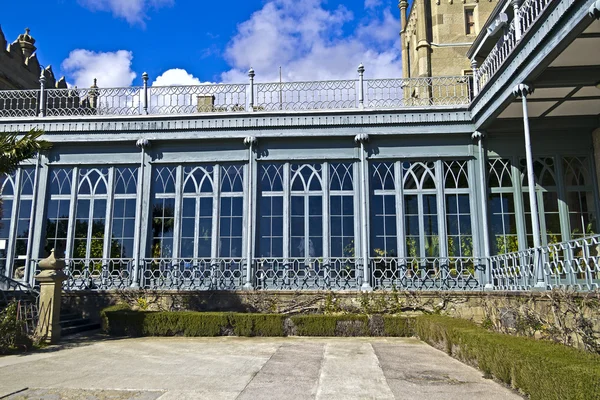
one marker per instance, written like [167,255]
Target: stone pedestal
[50,278]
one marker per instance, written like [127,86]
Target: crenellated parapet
[20,67]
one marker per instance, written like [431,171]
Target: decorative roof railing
[525,16]
[350,94]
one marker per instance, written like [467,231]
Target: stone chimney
[26,42]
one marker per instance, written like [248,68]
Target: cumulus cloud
[309,43]
[372,3]
[176,77]
[112,69]
[133,11]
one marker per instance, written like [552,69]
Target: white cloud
[133,11]
[112,69]
[309,43]
[372,3]
[176,77]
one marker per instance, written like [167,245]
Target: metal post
[362,138]
[142,144]
[475,77]
[29,273]
[484,212]
[251,74]
[145,94]
[517,18]
[42,112]
[250,141]
[361,87]
[523,90]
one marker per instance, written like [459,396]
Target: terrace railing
[525,17]
[344,273]
[432,273]
[569,265]
[234,98]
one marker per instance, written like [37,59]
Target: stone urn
[50,279]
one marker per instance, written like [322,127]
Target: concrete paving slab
[246,368]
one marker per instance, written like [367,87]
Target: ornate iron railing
[528,14]
[19,103]
[308,273]
[513,271]
[573,264]
[197,99]
[319,95]
[98,274]
[93,101]
[193,274]
[418,92]
[435,273]
[234,98]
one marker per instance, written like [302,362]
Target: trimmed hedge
[331,325]
[120,320]
[541,369]
[398,326]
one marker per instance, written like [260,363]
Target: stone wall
[567,317]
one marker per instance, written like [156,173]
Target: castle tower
[436,35]
[26,42]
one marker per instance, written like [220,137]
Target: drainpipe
[523,90]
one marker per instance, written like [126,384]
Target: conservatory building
[475,182]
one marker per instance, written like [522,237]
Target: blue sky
[193,41]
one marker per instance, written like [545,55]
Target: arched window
[124,211]
[580,196]
[198,211]
[458,209]
[420,209]
[547,199]
[57,210]
[90,213]
[503,225]
[306,210]
[163,212]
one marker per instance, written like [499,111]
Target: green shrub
[257,324]
[331,325]
[397,326]
[12,334]
[103,314]
[541,369]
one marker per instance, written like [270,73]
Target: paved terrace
[245,368]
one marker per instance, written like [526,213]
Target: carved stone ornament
[52,263]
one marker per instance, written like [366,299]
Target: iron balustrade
[98,274]
[19,103]
[339,273]
[431,273]
[513,271]
[93,101]
[573,264]
[193,273]
[221,98]
[528,13]
[236,98]
[27,299]
[418,92]
[319,95]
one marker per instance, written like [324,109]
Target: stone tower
[19,66]
[436,34]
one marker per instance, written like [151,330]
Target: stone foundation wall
[566,317]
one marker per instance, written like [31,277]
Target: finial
[251,73]
[250,140]
[361,68]
[142,143]
[361,138]
[145,76]
[95,84]
[27,30]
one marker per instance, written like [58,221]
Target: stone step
[65,323]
